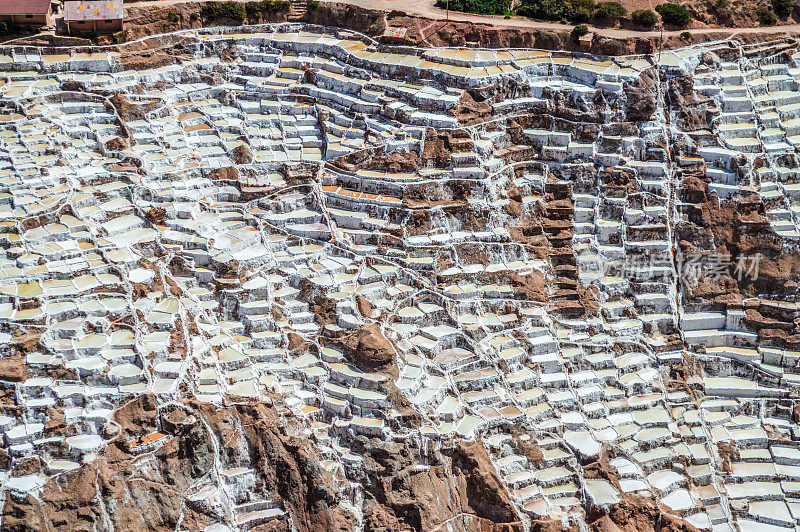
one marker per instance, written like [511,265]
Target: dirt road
[426,8]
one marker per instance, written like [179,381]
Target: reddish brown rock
[296,343]
[13,368]
[229,173]
[117,144]
[242,154]
[156,215]
[364,306]
[369,348]
[460,488]
[637,514]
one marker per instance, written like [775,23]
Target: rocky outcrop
[369,348]
[13,368]
[637,514]
[117,144]
[472,108]
[738,230]
[694,111]
[459,490]
[641,98]
[242,155]
[122,491]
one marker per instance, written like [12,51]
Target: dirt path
[426,8]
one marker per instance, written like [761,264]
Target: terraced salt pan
[475,358]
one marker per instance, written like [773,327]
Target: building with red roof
[96,16]
[27,12]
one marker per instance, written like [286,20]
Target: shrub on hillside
[482,7]
[644,18]
[674,14]
[575,11]
[783,8]
[223,10]
[265,7]
[612,11]
[579,31]
[766,16]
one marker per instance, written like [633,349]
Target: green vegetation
[644,18]
[783,8]
[254,10]
[686,36]
[572,11]
[766,16]
[194,16]
[610,11]
[674,14]
[223,10]
[482,7]
[173,17]
[575,11]
[313,4]
[265,7]
[579,31]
